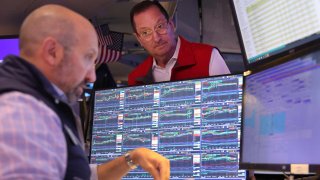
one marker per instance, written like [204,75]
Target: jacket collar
[185,58]
[19,71]
[147,76]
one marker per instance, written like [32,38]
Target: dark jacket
[18,75]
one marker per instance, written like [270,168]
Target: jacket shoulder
[140,71]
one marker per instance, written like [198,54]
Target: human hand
[152,162]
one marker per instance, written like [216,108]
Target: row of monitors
[213,127]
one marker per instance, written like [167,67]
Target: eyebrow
[158,21]
[161,20]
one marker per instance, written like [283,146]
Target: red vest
[193,62]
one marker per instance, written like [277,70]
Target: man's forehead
[152,13]
[150,23]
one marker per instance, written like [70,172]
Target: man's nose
[91,75]
[156,36]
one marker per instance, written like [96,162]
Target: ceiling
[114,12]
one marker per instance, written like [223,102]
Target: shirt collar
[59,93]
[173,59]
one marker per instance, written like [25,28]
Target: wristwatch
[129,161]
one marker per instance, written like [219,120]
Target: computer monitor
[194,123]
[269,29]
[8,45]
[280,127]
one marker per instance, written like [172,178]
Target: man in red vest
[171,57]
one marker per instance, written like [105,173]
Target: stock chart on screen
[194,123]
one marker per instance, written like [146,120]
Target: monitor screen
[8,45]
[194,123]
[281,116]
[268,28]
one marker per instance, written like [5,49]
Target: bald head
[53,21]
[62,44]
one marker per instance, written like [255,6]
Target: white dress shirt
[217,65]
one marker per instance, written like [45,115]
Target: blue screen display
[281,113]
[8,46]
[194,123]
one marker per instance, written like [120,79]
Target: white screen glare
[269,27]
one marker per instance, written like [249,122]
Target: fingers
[164,170]
[154,173]
[152,162]
[160,169]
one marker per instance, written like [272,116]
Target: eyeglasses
[161,28]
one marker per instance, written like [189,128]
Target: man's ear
[52,51]
[172,25]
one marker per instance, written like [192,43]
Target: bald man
[40,138]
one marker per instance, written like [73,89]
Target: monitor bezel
[291,51]
[12,36]
[313,168]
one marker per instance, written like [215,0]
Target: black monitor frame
[292,49]
[13,36]
[313,168]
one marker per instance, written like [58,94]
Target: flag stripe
[112,52]
[103,35]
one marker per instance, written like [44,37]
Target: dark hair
[144,5]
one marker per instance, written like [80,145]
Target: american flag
[104,37]
[112,52]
